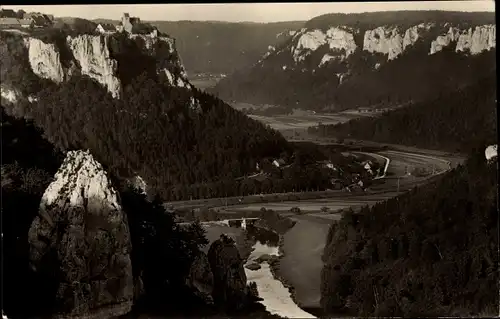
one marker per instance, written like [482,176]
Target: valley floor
[303,245]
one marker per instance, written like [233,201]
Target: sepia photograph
[249,160]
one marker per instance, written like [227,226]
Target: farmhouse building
[8,13]
[9,22]
[106,28]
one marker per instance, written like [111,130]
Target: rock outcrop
[445,40]
[81,221]
[230,281]
[385,40]
[491,152]
[477,40]
[9,95]
[45,60]
[338,40]
[94,58]
[201,278]
[104,58]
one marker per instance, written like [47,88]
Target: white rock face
[414,33]
[139,184]
[45,60]
[385,40]
[79,181]
[327,57]
[336,38]
[491,152]
[170,77]
[443,41]
[478,40]
[93,55]
[9,94]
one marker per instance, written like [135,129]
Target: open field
[205,82]
[302,120]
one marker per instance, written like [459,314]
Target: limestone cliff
[108,59]
[45,60]
[342,41]
[82,231]
[93,55]
[389,57]
[444,40]
[477,40]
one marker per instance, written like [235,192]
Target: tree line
[430,252]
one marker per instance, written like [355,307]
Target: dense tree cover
[162,252]
[430,252]
[154,133]
[28,164]
[456,121]
[413,76]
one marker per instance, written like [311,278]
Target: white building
[105,28]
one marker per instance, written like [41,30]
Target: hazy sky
[257,12]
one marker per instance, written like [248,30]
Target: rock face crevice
[82,223]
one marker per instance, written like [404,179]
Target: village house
[40,20]
[8,13]
[9,22]
[105,28]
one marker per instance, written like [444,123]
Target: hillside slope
[388,58]
[222,47]
[455,121]
[430,252]
[127,99]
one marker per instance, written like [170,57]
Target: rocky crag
[109,59]
[336,54]
[82,232]
[82,223]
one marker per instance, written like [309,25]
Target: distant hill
[378,59]
[222,47]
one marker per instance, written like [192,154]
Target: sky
[251,12]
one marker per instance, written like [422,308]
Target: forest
[162,253]
[430,252]
[181,152]
[456,121]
